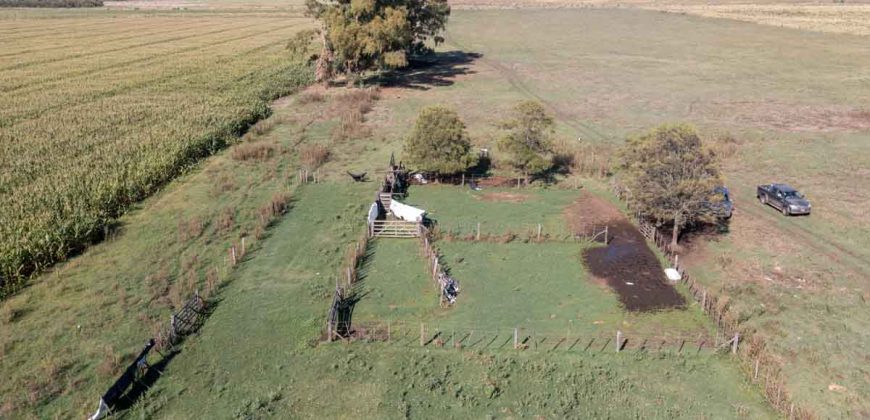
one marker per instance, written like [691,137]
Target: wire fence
[434,335]
[756,361]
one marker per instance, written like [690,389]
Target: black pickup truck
[784,198]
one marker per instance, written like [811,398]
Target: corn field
[100,110]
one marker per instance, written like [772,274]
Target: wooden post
[172,323]
[349,277]
[605,234]
[755,377]
[704,300]
[618,341]
[329,331]
[734,343]
[516,338]
[539,231]
[243,245]
[233,254]
[422,334]
[463,179]
[477,237]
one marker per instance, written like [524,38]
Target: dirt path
[626,264]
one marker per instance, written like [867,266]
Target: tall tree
[439,143]
[364,35]
[528,139]
[670,176]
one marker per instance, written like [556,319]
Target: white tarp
[373,213]
[673,275]
[406,212]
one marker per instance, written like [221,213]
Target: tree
[439,143]
[364,35]
[528,139]
[670,176]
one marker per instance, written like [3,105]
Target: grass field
[257,354]
[800,282]
[788,97]
[100,109]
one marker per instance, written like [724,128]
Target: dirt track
[626,264]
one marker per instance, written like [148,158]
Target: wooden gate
[394,229]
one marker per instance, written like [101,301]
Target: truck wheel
[785,211]
[763,199]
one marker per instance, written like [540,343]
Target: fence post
[734,343]
[329,331]
[243,245]
[516,338]
[477,237]
[349,277]
[676,261]
[233,254]
[755,378]
[618,341]
[605,234]
[704,301]
[422,333]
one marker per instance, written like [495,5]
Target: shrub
[439,142]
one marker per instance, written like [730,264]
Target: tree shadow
[433,70]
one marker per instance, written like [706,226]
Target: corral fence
[531,233]
[756,361]
[338,318]
[433,335]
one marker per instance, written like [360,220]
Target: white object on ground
[673,274]
[406,212]
[373,213]
[102,411]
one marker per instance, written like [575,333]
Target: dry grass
[226,220]
[257,151]
[837,18]
[351,108]
[190,229]
[315,155]
[310,97]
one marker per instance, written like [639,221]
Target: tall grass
[75,155]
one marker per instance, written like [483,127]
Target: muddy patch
[505,197]
[626,264]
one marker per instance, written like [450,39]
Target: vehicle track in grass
[836,252]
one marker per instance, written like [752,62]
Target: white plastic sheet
[406,212]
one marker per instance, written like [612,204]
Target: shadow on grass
[357,291]
[433,70]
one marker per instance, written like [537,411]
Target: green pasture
[459,210]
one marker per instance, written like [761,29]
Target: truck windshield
[792,194]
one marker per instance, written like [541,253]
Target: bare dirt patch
[506,197]
[626,263]
[497,181]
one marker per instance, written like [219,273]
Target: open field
[801,283]
[100,109]
[836,18]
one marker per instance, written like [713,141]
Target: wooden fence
[338,316]
[757,363]
[182,323]
[435,265]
